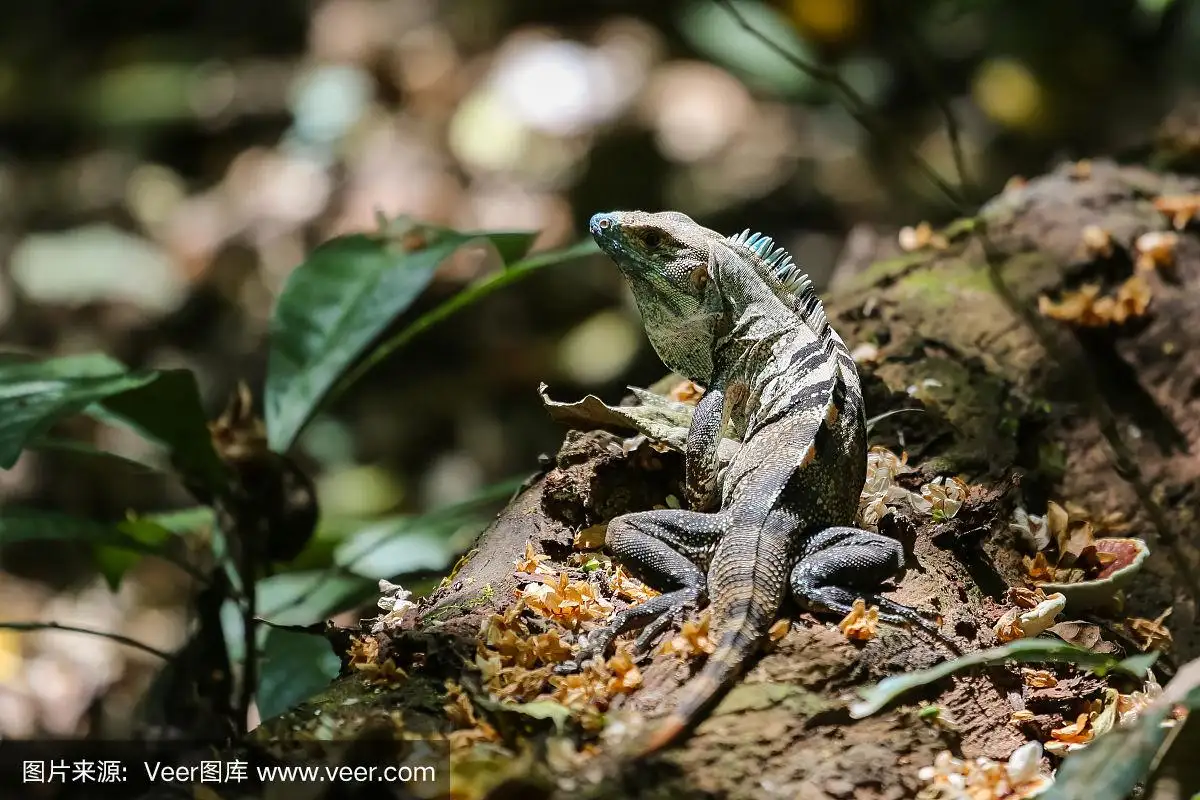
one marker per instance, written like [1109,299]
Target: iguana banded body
[736,315]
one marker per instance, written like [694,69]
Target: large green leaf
[24,524]
[466,297]
[396,545]
[339,300]
[36,394]
[117,546]
[163,406]
[713,30]
[141,533]
[302,598]
[114,562]
[168,410]
[86,450]
[154,532]
[294,666]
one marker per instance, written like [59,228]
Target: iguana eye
[651,239]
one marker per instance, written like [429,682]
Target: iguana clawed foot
[842,564]
[654,616]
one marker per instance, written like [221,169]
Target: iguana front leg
[666,546]
[701,465]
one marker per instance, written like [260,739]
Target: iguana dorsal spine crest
[789,274]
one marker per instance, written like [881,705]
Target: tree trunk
[1018,422]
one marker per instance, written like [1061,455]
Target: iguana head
[665,259]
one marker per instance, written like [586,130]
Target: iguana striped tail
[741,638]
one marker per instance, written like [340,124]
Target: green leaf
[397,545]
[337,302]
[116,546]
[36,394]
[550,710]
[466,297]
[1112,765]
[294,667]
[181,521]
[715,32]
[1134,665]
[152,530]
[114,562]
[114,550]
[168,410]
[163,406]
[1022,650]
[54,444]
[26,524]
[302,598]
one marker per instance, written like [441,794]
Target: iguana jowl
[737,316]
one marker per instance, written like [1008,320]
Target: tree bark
[1002,403]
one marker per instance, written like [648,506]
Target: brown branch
[116,637]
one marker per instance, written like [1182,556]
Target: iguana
[738,316]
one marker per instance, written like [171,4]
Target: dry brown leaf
[385,674]
[983,779]
[1087,308]
[549,648]
[567,602]
[1156,250]
[364,652]
[1038,569]
[1057,520]
[1074,306]
[459,710]
[515,663]
[591,538]
[1133,298]
[625,674]
[922,235]
[531,563]
[861,623]
[461,713]
[590,691]
[1072,535]
[779,630]
[1151,634]
[943,497]
[582,690]
[1038,678]
[1022,597]
[1077,539]
[1097,242]
[693,638]
[1019,623]
[627,587]
[1078,732]
[686,392]
[1182,209]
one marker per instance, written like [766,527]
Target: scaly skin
[735,315]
